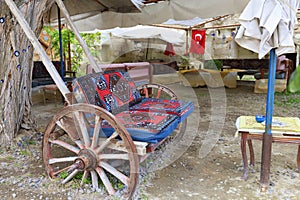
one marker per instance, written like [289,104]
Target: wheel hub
[87,160]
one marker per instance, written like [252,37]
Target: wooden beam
[222,26]
[214,19]
[119,145]
[77,34]
[38,47]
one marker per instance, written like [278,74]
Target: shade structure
[161,12]
[81,9]
[144,33]
[268,26]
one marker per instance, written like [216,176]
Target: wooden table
[284,130]
[50,88]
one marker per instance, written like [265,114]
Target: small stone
[14,195]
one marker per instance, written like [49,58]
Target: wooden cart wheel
[158,91]
[75,148]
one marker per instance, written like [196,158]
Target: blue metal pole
[60,44]
[267,137]
[271,91]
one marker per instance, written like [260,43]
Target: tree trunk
[16,63]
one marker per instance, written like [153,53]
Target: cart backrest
[115,90]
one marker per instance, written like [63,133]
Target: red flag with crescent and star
[198,41]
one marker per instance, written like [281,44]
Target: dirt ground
[206,164]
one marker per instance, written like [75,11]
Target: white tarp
[80,9]
[140,32]
[160,12]
[188,22]
[268,25]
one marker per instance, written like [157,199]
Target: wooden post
[187,41]
[38,47]
[79,38]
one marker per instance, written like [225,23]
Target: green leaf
[294,83]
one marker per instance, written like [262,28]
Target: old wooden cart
[97,141]
[108,126]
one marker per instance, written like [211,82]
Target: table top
[280,125]
[49,87]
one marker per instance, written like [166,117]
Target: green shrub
[213,64]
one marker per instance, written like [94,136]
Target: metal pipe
[60,44]
[267,137]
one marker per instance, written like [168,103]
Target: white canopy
[160,12]
[81,9]
[141,33]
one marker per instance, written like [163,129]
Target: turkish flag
[198,41]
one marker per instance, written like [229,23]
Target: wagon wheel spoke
[82,124]
[124,179]
[106,142]
[72,175]
[84,176]
[146,92]
[97,128]
[65,145]
[158,93]
[114,156]
[79,144]
[105,181]
[60,160]
[94,180]
[62,170]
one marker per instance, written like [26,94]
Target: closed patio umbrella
[268,26]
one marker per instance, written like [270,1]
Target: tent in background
[143,33]
[79,9]
[160,12]
[147,35]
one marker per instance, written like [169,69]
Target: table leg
[44,96]
[244,155]
[298,158]
[251,152]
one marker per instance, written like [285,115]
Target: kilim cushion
[116,91]
[176,107]
[145,126]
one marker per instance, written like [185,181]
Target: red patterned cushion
[116,91]
[174,107]
[84,88]
[144,126]
[150,121]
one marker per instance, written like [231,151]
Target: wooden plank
[38,48]
[119,145]
[77,34]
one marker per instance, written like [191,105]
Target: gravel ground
[215,174]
